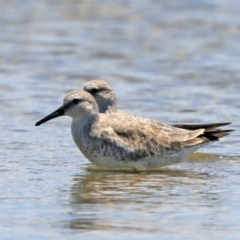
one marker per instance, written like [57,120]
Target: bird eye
[94,91]
[75,101]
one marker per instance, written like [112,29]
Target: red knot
[109,140]
[107,103]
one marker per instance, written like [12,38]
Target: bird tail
[210,133]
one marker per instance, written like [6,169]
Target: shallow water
[176,62]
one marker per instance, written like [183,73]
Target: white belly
[149,162]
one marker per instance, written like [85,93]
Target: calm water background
[176,61]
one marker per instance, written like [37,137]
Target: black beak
[59,112]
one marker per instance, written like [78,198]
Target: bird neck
[108,108]
[84,123]
[81,131]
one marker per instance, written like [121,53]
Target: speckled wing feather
[138,139]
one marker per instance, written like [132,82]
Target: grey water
[175,61]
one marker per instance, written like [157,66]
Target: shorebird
[103,94]
[108,140]
[107,103]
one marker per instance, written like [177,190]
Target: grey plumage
[123,140]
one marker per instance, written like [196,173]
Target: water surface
[175,62]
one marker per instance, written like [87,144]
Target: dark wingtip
[201,125]
[217,135]
[227,123]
